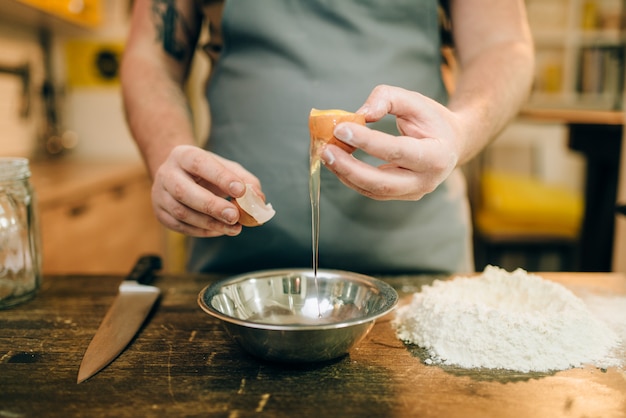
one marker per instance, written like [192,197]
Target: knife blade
[130,308]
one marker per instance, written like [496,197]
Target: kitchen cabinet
[95,217]
[580,53]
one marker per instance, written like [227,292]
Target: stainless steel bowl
[292,316]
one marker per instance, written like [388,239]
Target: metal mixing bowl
[292,316]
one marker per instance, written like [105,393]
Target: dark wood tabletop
[182,363]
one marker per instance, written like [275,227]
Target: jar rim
[14,168]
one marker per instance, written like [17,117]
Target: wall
[94,110]
[18,132]
[90,107]
[91,113]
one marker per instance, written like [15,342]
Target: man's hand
[416,162]
[190,188]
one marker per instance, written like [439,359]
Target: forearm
[489,93]
[155,65]
[496,64]
[158,118]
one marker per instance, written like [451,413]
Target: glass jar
[20,259]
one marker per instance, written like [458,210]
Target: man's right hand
[190,190]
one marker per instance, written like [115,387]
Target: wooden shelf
[574,116]
[56,15]
[580,60]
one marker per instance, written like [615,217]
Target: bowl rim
[323,274]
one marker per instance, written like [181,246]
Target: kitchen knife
[124,318]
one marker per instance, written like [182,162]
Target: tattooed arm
[154,68]
[189,184]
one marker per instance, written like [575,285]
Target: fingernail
[327,157]
[363,110]
[229,215]
[233,230]
[236,188]
[344,133]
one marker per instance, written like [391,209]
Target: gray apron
[281,58]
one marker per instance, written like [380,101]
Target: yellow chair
[521,215]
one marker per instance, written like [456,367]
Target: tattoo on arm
[172,30]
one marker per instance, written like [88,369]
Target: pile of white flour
[500,320]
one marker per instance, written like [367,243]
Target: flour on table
[500,320]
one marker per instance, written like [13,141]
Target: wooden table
[183,364]
[598,136]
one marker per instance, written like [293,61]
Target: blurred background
[544,194]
